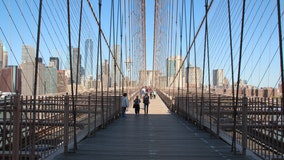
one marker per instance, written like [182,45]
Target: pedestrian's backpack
[136,101]
[146,99]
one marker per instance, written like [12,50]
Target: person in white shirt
[124,104]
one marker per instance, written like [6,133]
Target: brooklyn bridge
[213,70]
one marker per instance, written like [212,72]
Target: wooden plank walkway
[159,135]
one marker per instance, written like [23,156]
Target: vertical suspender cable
[194,51]
[188,58]
[180,53]
[144,37]
[281,61]
[77,77]
[154,40]
[280,47]
[113,48]
[238,83]
[187,65]
[115,55]
[108,68]
[208,64]
[175,50]
[129,43]
[168,44]
[116,49]
[195,36]
[171,47]
[121,81]
[101,64]
[232,61]
[104,37]
[97,66]
[70,58]
[204,61]
[35,82]
[125,45]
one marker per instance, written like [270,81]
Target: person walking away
[136,105]
[124,104]
[154,93]
[146,102]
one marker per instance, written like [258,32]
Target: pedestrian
[136,105]
[154,93]
[146,102]
[124,104]
[141,92]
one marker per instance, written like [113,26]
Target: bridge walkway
[158,135]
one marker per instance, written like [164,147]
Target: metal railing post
[244,124]
[66,122]
[89,115]
[16,127]
[218,116]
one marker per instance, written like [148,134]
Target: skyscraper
[28,54]
[218,77]
[105,74]
[88,58]
[62,81]
[75,61]
[10,79]
[50,79]
[194,81]
[5,59]
[117,58]
[173,65]
[28,77]
[1,54]
[28,72]
[54,61]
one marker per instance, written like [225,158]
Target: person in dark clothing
[136,105]
[146,102]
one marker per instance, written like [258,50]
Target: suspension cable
[195,36]
[20,38]
[70,56]
[280,49]
[110,34]
[208,64]
[121,81]
[101,63]
[238,80]
[203,72]
[180,44]
[98,23]
[232,61]
[281,58]
[35,82]
[5,80]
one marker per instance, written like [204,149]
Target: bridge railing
[167,99]
[28,132]
[259,123]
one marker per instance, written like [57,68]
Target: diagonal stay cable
[30,30]
[98,23]
[12,53]
[19,36]
[267,68]
[193,42]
